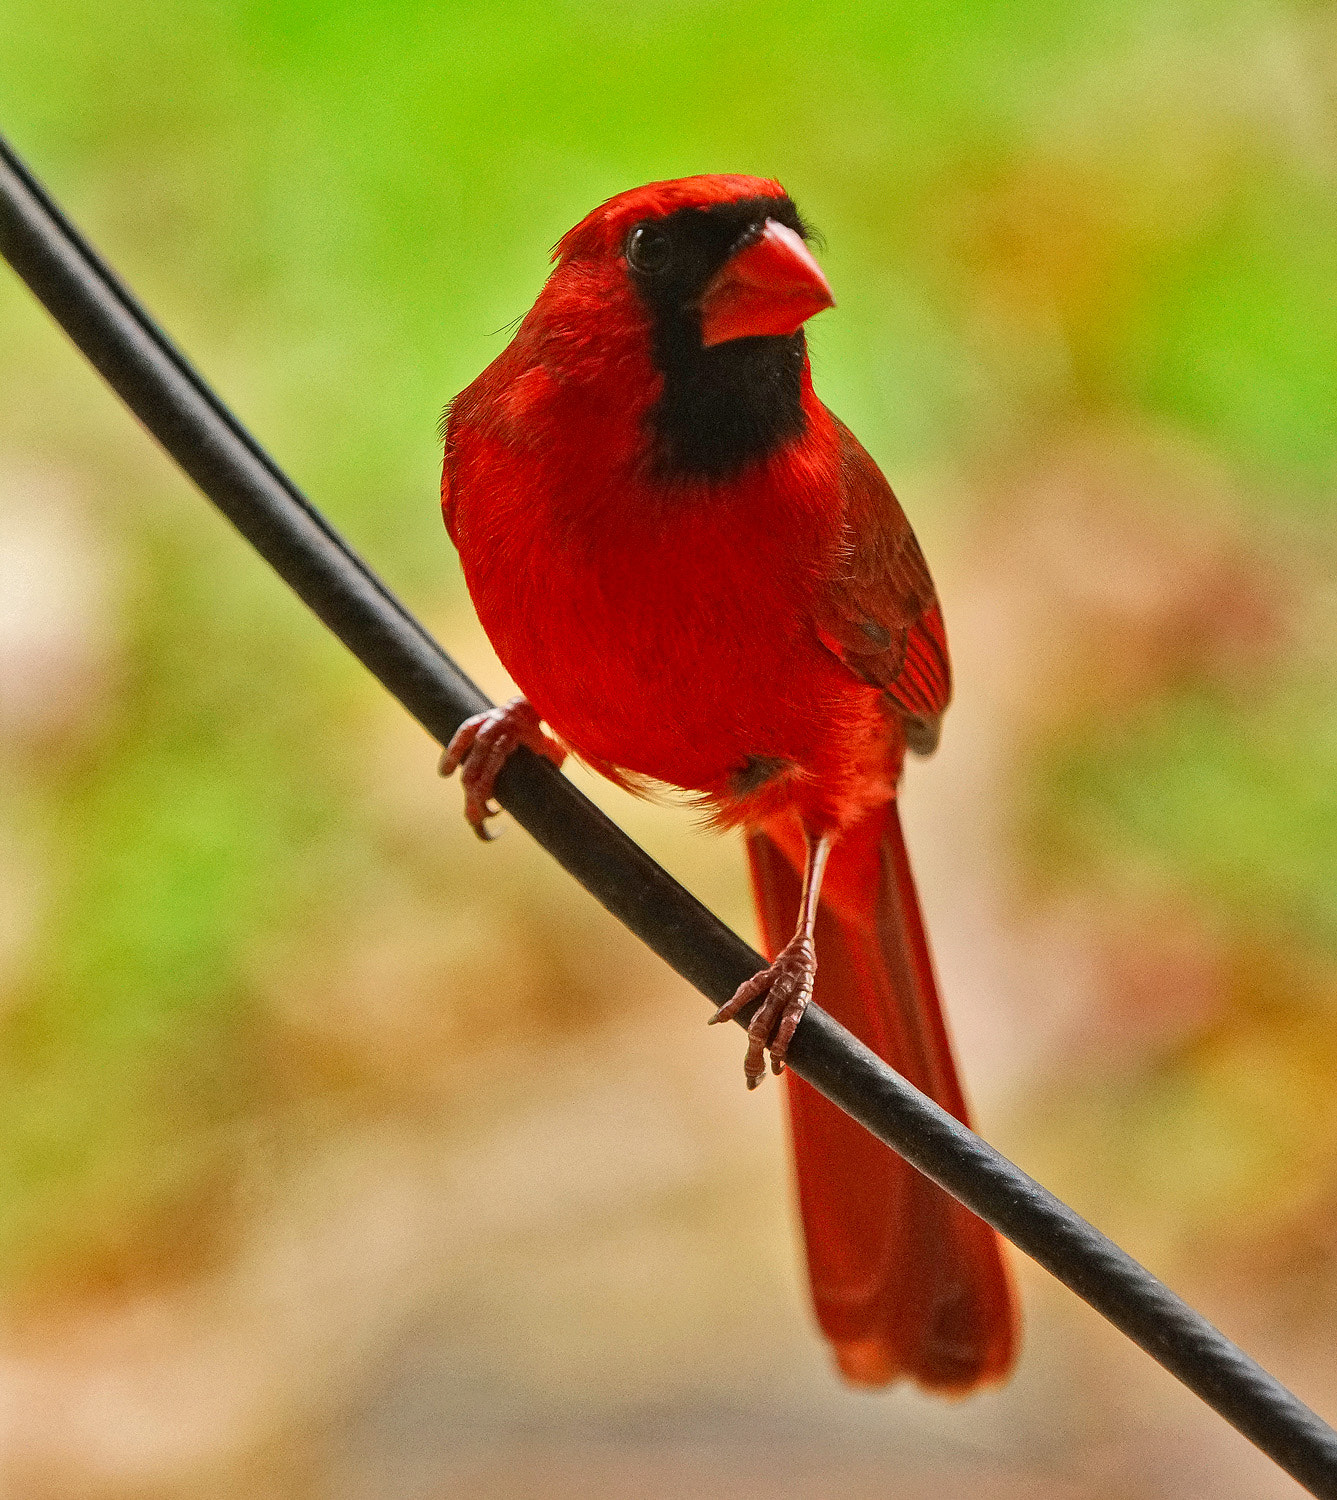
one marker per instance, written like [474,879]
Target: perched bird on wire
[699,579]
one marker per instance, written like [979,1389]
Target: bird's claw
[482,745]
[787,986]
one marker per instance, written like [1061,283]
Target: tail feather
[906,1281]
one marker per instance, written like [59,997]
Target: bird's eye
[649,250]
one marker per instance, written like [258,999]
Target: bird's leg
[482,745]
[786,982]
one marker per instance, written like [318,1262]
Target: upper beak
[771,286]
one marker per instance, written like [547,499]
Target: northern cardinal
[699,578]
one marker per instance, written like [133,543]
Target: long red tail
[906,1281]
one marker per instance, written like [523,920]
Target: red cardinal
[699,578]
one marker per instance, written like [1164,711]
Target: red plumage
[698,577]
[905,1280]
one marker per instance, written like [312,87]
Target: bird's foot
[482,745]
[787,987]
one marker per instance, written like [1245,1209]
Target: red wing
[447,464]
[881,614]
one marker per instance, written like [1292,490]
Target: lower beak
[771,286]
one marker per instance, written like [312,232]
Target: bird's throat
[724,408]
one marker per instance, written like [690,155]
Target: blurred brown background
[343,1158]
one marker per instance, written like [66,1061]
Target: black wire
[154,379]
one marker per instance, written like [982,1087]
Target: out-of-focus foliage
[289,1063]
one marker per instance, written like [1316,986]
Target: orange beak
[772,286]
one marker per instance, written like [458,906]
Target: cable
[158,384]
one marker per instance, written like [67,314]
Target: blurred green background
[344,1158]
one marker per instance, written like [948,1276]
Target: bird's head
[712,278]
[724,256]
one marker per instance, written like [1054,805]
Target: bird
[700,580]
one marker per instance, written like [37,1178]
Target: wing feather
[880,614]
